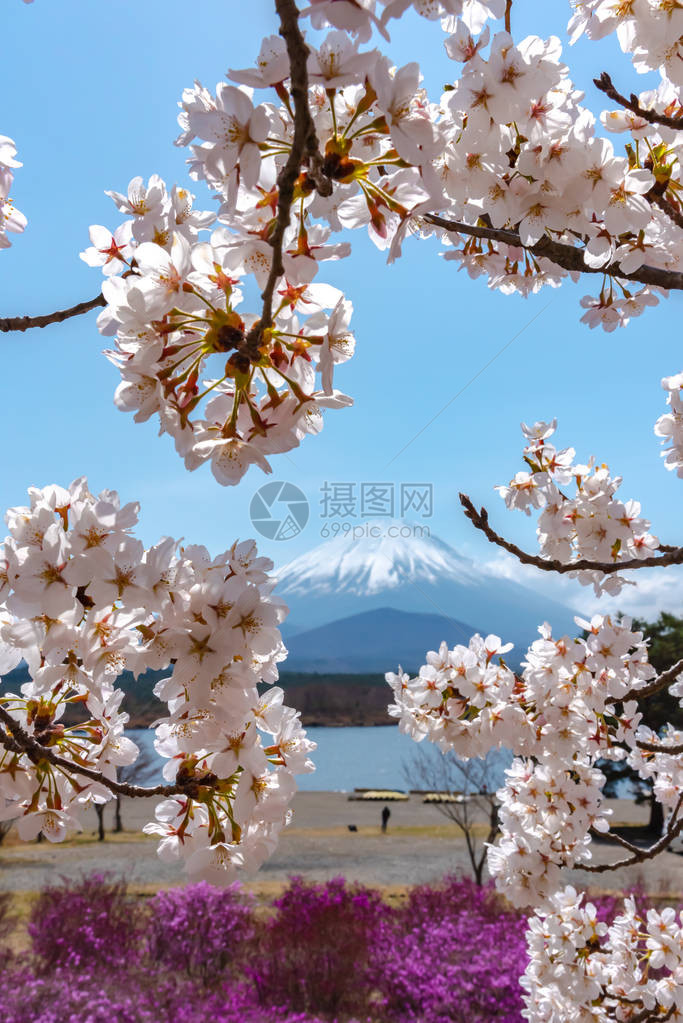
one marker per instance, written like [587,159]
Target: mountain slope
[416,574]
[373,641]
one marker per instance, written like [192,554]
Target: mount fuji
[355,600]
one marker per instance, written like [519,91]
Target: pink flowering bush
[453,954]
[93,924]
[321,936]
[206,931]
[330,952]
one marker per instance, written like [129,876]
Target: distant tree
[665,637]
[142,772]
[470,789]
[99,810]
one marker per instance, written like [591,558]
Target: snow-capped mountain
[414,573]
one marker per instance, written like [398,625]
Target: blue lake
[347,758]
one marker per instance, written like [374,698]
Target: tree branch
[15,739]
[27,322]
[640,855]
[651,1015]
[508,19]
[661,682]
[658,747]
[568,257]
[480,519]
[304,147]
[604,84]
[612,836]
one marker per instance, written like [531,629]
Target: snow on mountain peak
[372,557]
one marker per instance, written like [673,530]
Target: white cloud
[655,590]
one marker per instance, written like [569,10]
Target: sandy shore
[420,846]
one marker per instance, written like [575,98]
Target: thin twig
[508,19]
[480,519]
[27,322]
[675,827]
[17,740]
[568,257]
[604,84]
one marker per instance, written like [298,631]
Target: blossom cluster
[10,217]
[508,147]
[650,30]
[173,305]
[573,703]
[82,601]
[359,18]
[670,425]
[664,768]
[581,968]
[593,524]
[513,148]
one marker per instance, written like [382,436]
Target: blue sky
[90,99]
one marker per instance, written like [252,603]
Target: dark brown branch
[568,257]
[27,322]
[480,519]
[651,1015]
[661,682]
[612,836]
[304,148]
[660,747]
[604,84]
[508,19]
[640,855]
[17,740]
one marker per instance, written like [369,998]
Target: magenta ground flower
[333,952]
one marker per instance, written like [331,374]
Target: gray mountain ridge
[377,640]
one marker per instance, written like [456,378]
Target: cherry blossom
[567,709]
[84,601]
[593,524]
[670,425]
[11,219]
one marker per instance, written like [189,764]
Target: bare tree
[142,772]
[469,798]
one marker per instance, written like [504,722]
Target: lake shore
[420,846]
